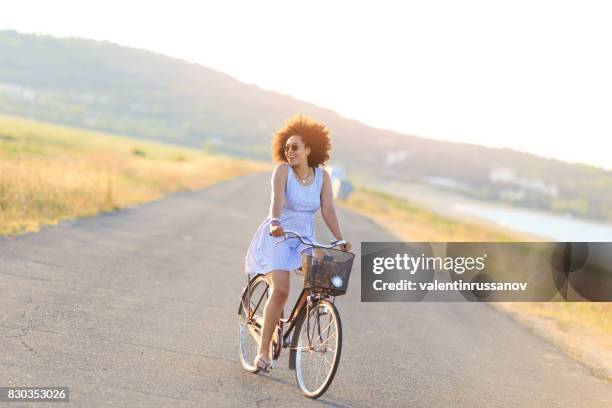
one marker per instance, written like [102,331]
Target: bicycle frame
[292,319]
[297,308]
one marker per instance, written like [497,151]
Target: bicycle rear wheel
[250,328]
[317,344]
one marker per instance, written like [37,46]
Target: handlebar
[332,244]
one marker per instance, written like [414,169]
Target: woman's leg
[279,282]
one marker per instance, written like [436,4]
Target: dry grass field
[52,172]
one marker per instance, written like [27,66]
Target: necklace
[303,180]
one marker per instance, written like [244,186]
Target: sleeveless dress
[301,204]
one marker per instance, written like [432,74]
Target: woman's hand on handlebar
[345,247]
[276,230]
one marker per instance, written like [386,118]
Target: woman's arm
[327,207]
[277,198]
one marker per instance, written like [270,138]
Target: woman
[299,188]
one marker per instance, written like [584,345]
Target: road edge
[587,355]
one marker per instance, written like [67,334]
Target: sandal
[263,365]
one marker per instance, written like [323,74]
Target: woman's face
[299,156]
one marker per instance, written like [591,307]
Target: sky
[533,75]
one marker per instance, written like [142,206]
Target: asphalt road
[138,308]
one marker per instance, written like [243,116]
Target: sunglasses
[292,146]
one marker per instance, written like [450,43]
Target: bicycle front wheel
[317,345]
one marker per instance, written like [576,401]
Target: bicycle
[315,341]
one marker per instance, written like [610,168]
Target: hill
[104,86]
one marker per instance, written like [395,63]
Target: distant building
[507,176]
[341,188]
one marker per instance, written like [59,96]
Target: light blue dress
[301,204]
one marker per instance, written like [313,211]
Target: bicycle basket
[326,270]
